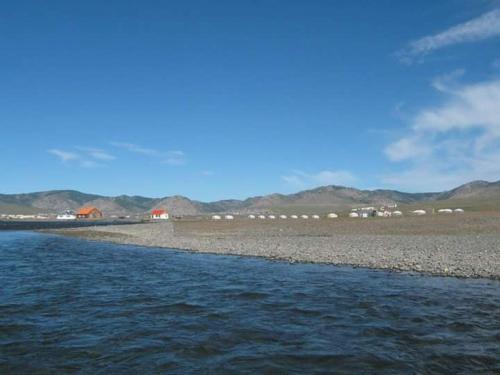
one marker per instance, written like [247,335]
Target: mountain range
[476,195]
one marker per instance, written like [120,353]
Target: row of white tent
[450,211]
[334,215]
[273,217]
[440,211]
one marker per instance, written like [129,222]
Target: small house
[89,213]
[159,214]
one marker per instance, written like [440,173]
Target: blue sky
[230,99]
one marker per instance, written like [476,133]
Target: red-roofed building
[159,214]
[89,213]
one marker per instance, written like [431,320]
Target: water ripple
[68,305]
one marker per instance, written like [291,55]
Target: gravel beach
[455,245]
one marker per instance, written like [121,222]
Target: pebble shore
[461,252]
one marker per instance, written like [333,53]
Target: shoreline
[468,255]
[420,272]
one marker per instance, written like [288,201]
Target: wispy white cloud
[89,164]
[300,179]
[406,148]
[73,158]
[175,157]
[207,173]
[480,28]
[136,148]
[171,157]
[451,143]
[97,153]
[448,83]
[101,155]
[64,156]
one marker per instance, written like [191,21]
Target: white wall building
[159,214]
[68,215]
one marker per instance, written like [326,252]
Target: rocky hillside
[319,199]
[472,190]
[178,205]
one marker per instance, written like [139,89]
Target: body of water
[69,305]
[56,224]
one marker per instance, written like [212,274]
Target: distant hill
[475,189]
[473,195]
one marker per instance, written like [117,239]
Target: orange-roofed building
[89,213]
[159,214]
